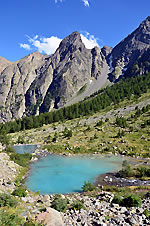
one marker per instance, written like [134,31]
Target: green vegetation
[121,121]
[83,88]
[20,191]
[20,159]
[146,213]
[67,133]
[88,187]
[128,201]
[77,205]
[7,200]
[59,204]
[111,95]
[141,172]
[9,219]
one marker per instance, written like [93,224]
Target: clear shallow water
[61,174]
[25,148]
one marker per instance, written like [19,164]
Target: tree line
[114,94]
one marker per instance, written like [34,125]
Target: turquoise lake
[66,174]
[60,174]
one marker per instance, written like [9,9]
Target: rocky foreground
[97,208]
[8,172]
[98,211]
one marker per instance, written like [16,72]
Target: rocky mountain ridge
[37,83]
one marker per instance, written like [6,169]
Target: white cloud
[43,45]
[86,3]
[49,45]
[89,40]
[25,46]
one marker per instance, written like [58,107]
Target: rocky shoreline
[98,211]
[98,207]
[8,172]
[113,180]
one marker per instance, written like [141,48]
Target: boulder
[50,218]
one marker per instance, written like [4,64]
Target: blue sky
[30,25]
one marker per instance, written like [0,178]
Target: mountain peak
[146,23]
[71,39]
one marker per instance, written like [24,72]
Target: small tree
[126,170]
[67,132]
[88,186]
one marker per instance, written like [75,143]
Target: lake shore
[112,179]
[109,178]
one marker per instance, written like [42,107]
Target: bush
[7,200]
[120,134]
[9,150]
[131,201]
[143,171]
[32,223]
[21,159]
[88,187]
[128,201]
[59,204]
[146,213]
[117,199]
[9,219]
[21,140]
[20,191]
[99,123]
[77,205]
[122,122]
[126,170]
[67,133]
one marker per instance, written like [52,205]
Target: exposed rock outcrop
[129,50]
[37,83]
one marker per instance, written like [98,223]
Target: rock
[50,218]
[122,210]
[47,82]
[46,198]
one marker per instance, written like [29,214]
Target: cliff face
[38,83]
[129,50]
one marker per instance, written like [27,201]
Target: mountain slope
[129,50]
[37,83]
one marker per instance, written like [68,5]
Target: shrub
[121,121]
[120,134]
[117,199]
[143,171]
[9,219]
[99,123]
[77,205]
[59,204]
[9,150]
[67,133]
[21,159]
[21,140]
[88,187]
[7,200]
[55,137]
[146,213]
[32,223]
[20,191]
[131,201]
[128,201]
[126,170]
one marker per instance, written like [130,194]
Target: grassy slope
[100,139]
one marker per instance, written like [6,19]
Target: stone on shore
[50,218]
